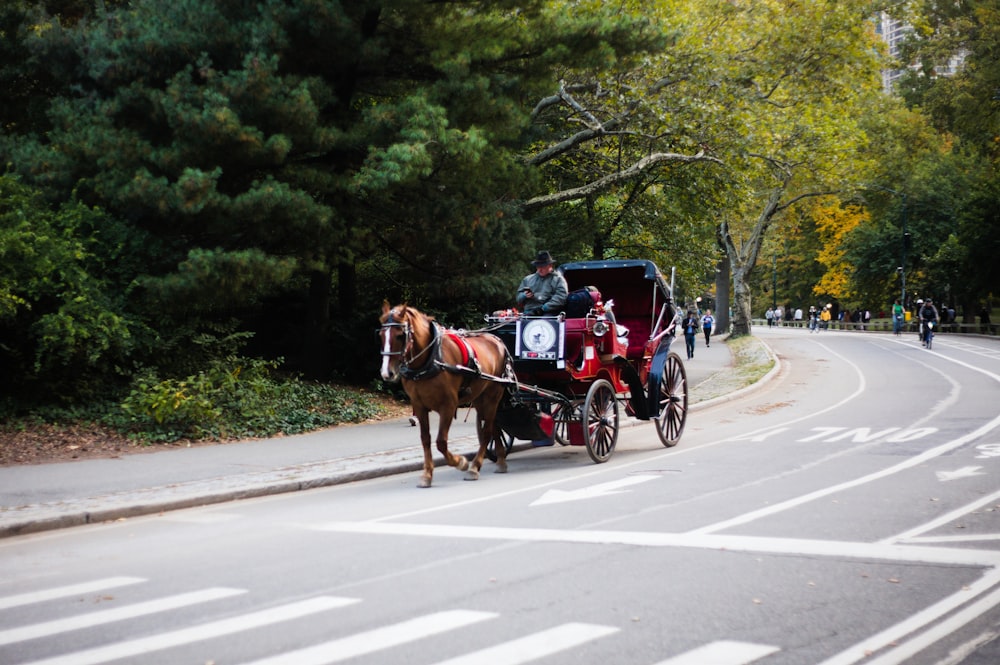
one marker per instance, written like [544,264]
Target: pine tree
[272,148]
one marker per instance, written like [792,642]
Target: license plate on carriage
[540,339]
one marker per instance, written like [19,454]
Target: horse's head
[394,337]
[406,336]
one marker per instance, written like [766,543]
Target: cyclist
[928,314]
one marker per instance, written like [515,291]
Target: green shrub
[236,398]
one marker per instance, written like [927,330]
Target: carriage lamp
[600,328]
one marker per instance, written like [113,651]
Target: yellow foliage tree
[834,222]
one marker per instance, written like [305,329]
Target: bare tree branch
[595,128]
[608,181]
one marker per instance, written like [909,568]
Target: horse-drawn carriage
[558,377]
[581,372]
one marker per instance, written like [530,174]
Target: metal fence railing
[885,325]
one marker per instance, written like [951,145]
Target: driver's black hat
[543,259]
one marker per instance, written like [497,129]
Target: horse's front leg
[447,415]
[486,411]
[421,414]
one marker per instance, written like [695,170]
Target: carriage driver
[543,291]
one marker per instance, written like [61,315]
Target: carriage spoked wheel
[673,401]
[505,439]
[562,416]
[600,420]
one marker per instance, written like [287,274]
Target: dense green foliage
[62,325]
[189,183]
[235,398]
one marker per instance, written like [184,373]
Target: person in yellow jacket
[824,318]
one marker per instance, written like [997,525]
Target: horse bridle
[408,343]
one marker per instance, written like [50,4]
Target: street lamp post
[774,283]
[902,263]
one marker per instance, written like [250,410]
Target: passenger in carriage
[543,291]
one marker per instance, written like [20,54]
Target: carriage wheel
[562,416]
[600,420]
[499,436]
[673,401]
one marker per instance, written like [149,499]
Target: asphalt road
[847,512]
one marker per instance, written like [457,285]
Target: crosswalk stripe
[47,628]
[724,652]
[534,646]
[64,591]
[197,633]
[377,639]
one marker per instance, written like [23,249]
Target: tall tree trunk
[722,277]
[743,258]
[742,305]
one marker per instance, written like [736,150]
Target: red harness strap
[468,353]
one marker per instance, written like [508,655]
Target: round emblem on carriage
[538,336]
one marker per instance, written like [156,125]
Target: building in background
[893,32]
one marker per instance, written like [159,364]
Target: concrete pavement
[37,498]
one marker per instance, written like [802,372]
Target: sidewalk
[53,496]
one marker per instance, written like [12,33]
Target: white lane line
[792,546]
[862,480]
[206,631]
[64,591]
[947,518]
[724,652]
[981,538]
[537,645]
[56,626]
[370,641]
[895,639]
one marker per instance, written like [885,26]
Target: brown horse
[442,370]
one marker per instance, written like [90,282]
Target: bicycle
[929,335]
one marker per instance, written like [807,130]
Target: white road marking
[983,537]
[535,646]
[862,480]
[206,631]
[102,617]
[819,548]
[893,637]
[724,652]
[943,519]
[593,491]
[66,591]
[370,641]
[958,474]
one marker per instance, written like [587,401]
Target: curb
[756,385]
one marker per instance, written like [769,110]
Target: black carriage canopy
[636,286]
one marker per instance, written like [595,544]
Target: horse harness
[435,365]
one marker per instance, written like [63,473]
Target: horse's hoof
[471,475]
[424,482]
[501,468]
[463,463]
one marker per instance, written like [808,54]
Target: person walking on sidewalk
[707,322]
[690,328]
